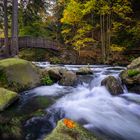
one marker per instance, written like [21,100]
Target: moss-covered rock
[69,78]
[131,76]
[54,73]
[131,81]
[113,85]
[18,74]
[7,97]
[11,130]
[135,64]
[70,131]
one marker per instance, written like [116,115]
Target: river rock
[113,85]
[135,64]
[7,97]
[131,81]
[18,74]
[84,71]
[69,78]
[68,130]
[54,73]
[131,76]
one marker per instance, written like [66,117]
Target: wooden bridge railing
[33,42]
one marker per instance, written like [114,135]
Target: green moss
[12,129]
[6,98]
[132,73]
[64,133]
[37,113]
[43,101]
[35,105]
[47,80]
[3,79]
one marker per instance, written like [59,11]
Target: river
[89,103]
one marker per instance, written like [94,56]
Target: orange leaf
[69,123]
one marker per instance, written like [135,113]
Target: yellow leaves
[83,43]
[117,48]
[105,10]
[69,123]
[66,31]
[88,6]
[73,13]
[117,26]
[86,28]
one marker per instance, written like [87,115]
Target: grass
[47,80]
[132,73]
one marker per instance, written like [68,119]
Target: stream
[89,103]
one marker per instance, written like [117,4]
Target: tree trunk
[107,36]
[14,39]
[104,40]
[92,24]
[109,39]
[7,49]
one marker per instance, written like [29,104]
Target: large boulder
[113,85]
[69,78]
[84,71]
[7,97]
[131,76]
[18,74]
[68,130]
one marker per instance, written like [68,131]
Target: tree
[7,49]
[81,18]
[111,12]
[14,37]
[76,29]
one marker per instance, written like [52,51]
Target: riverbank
[71,57]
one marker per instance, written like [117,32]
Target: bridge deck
[33,42]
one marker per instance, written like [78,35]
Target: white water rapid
[113,117]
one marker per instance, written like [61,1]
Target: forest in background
[106,25]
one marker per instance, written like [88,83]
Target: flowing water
[90,104]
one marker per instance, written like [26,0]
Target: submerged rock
[18,74]
[131,76]
[69,78]
[84,71]
[36,105]
[113,85]
[7,97]
[68,130]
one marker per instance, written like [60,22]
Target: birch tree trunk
[14,38]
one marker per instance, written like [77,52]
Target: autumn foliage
[69,123]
